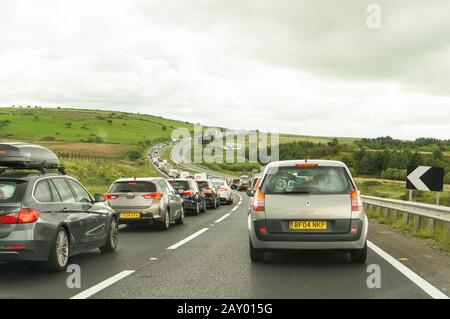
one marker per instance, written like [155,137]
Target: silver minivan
[310,204]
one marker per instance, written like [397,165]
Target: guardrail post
[447,232]
[394,215]
[416,222]
[431,224]
[405,218]
[386,212]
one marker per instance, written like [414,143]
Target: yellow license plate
[130,215]
[308,225]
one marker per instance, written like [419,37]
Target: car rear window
[133,187]
[180,185]
[307,180]
[202,185]
[11,190]
[219,183]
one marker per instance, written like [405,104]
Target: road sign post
[425,178]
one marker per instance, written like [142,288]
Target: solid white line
[415,278]
[222,218]
[189,238]
[98,287]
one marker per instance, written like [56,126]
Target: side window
[56,197]
[64,190]
[163,186]
[169,187]
[81,194]
[42,192]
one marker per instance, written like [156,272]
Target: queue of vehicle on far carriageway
[48,216]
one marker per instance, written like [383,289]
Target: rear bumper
[189,204]
[308,240]
[35,251]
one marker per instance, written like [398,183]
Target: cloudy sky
[307,67]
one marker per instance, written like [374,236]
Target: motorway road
[207,257]
[214,264]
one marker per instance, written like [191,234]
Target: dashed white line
[104,284]
[235,208]
[222,218]
[187,239]
[415,278]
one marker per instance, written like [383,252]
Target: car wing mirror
[99,198]
[250,193]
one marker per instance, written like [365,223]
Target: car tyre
[180,220]
[359,256]
[165,223]
[197,208]
[204,207]
[256,255]
[113,237]
[60,251]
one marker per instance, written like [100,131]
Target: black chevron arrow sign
[425,178]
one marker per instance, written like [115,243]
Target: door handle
[65,210]
[86,207]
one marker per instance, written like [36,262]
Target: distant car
[193,199]
[307,205]
[210,191]
[145,201]
[244,182]
[234,183]
[225,193]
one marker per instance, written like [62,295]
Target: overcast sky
[306,67]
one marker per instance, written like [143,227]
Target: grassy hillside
[74,125]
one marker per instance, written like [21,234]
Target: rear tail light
[24,216]
[3,152]
[188,193]
[153,195]
[223,190]
[259,202]
[356,201]
[208,190]
[15,247]
[307,165]
[109,196]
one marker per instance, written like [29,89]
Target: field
[45,124]
[289,138]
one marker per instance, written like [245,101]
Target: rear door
[95,226]
[308,194]
[76,216]
[11,195]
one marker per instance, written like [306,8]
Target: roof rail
[43,169]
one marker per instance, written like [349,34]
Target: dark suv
[193,199]
[50,217]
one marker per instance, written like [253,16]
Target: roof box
[20,155]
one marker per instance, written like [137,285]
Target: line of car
[50,216]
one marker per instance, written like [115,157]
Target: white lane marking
[240,202]
[189,238]
[104,284]
[411,275]
[234,209]
[222,218]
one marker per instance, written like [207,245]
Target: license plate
[130,215]
[308,225]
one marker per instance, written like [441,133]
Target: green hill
[91,126]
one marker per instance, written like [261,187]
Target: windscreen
[219,183]
[180,185]
[202,185]
[307,180]
[133,187]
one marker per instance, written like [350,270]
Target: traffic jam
[48,216]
